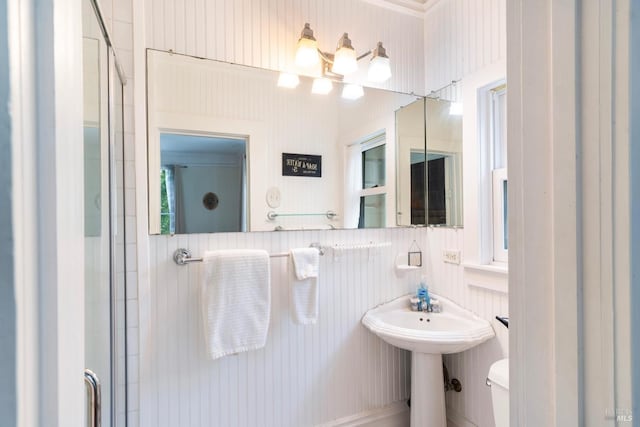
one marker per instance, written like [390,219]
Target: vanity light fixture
[321,86]
[344,61]
[288,80]
[352,91]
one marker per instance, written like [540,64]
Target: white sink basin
[428,336]
[452,331]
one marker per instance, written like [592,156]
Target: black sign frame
[306,165]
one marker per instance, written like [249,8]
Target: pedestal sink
[428,336]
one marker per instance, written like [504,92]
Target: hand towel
[304,285]
[236,300]
[306,262]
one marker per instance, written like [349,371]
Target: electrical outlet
[452,257]
[273,197]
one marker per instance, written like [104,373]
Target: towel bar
[182,256]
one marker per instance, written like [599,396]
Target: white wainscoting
[462,37]
[263,33]
[471,367]
[306,375]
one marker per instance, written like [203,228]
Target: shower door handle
[95,398]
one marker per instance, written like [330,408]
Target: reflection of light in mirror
[455,109]
[352,91]
[321,86]
[288,80]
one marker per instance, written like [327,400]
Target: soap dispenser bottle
[423,294]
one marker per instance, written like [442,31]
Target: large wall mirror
[234,148]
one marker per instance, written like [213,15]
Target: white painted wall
[47,209]
[570,185]
[260,34]
[466,39]
[306,375]
[264,33]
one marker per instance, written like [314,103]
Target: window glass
[372,211]
[373,167]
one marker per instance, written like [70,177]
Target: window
[498,146]
[167,215]
[373,190]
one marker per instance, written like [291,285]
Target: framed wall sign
[301,165]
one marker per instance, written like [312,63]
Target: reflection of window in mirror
[373,189]
[443,163]
[418,187]
[498,129]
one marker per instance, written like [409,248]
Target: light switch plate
[273,197]
[451,257]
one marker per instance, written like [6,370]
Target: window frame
[374,142]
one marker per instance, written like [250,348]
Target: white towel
[306,262]
[304,285]
[236,300]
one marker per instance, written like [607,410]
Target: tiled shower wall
[118,16]
[306,375]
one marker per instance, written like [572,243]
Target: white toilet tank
[498,379]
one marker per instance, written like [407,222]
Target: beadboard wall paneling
[264,33]
[470,367]
[462,37]
[306,375]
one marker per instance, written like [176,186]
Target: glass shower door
[104,242]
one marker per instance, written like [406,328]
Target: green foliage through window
[164,205]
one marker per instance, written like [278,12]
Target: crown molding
[408,7]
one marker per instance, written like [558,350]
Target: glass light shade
[345,61]
[455,109]
[379,69]
[321,86]
[288,80]
[352,91]
[307,53]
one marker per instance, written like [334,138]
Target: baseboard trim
[458,419]
[393,415]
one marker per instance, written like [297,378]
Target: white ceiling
[413,7]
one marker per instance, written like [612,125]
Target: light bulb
[307,50]
[352,91]
[307,53]
[379,69]
[455,109]
[345,61]
[321,86]
[288,80]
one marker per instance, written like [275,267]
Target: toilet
[498,380]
